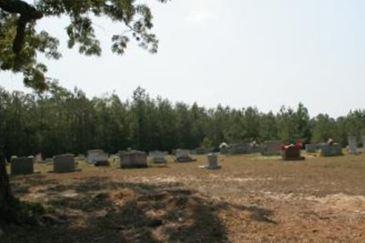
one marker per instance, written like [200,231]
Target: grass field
[251,199]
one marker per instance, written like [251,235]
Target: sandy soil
[251,199]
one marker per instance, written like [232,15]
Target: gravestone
[158,157]
[224,148]
[244,148]
[133,159]
[212,162]
[183,156]
[291,153]
[38,158]
[22,166]
[352,140]
[97,157]
[271,148]
[311,148]
[328,150]
[64,163]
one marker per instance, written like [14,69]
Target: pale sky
[263,53]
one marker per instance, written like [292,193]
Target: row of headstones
[335,149]
[25,165]
[128,159]
[269,148]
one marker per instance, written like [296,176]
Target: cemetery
[247,179]
[218,149]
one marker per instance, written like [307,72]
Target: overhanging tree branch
[27,14]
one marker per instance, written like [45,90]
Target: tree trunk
[6,198]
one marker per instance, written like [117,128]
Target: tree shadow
[97,209]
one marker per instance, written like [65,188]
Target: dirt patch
[251,199]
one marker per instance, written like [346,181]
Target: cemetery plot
[251,198]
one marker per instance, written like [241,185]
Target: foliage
[61,120]
[21,43]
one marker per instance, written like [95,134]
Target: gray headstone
[64,163]
[328,150]
[183,155]
[352,140]
[158,157]
[213,162]
[133,159]
[22,166]
[311,148]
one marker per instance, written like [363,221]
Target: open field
[252,198]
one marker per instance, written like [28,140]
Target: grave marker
[183,156]
[158,157]
[212,162]
[97,157]
[64,163]
[352,144]
[133,159]
[311,148]
[22,166]
[328,150]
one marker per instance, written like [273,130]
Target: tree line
[61,121]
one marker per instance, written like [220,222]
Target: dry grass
[252,198]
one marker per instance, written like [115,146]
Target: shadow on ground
[99,210]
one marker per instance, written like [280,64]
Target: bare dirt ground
[251,199]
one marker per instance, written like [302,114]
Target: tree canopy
[61,120]
[21,43]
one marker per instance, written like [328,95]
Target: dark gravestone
[22,166]
[133,159]
[328,150]
[291,152]
[64,163]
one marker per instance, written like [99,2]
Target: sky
[262,53]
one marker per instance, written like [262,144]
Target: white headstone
[352,144]
[96,156]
